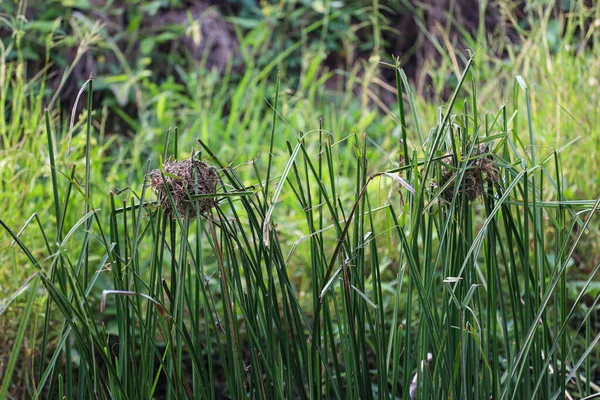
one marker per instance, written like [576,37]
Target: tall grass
[558,54]
[444,276]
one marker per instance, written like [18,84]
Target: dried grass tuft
[184,179]
[481,169]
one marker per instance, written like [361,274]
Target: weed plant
[407,287]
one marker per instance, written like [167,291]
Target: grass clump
[386,292]
[308,275]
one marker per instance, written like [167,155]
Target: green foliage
[343,260]
[410,291]
[129,44]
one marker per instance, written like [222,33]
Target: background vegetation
[298,150]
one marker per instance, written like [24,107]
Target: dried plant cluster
[184,179]
[480,169]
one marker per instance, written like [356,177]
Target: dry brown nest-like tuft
[480,169]
[184,180]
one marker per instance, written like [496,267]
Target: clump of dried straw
[480,169]
[184,180]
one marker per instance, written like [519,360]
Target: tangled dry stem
[184,179]
[481,169]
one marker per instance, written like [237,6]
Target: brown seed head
[479,170]
[184,179]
